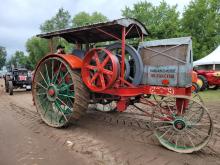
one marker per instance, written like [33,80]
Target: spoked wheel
[58,92]
[198,98]
[159,98]
[134,61]
[170,103]
[141,108]
[100,69]
[177,126]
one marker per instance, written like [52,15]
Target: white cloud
[21,19]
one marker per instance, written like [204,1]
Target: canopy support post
[51,45]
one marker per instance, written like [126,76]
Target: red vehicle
[208,79]
[195,86]
[118,76]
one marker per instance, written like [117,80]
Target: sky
[21,19]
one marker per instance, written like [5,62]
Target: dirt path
[96,139]
[21,145]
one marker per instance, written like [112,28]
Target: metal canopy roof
[92,33]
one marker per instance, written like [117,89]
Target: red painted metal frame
[145,89]
[122,82]
[73,61]
[123,88]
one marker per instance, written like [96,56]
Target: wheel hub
[100,69]
[52,92]
[179,124]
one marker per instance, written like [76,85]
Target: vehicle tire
[6,87]
[10,85]
[213,87]
[204,81]
[195,87]
[59,93]
[134,59]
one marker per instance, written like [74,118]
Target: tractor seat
[79,53]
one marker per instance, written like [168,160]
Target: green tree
[37,48]
[97,17]
[162,21]
[47,26]
[3,55]
[61,20]
[19,59]
[201,20]
[84,18]
[81,19]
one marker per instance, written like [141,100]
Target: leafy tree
[201,20]
[19,59]
[162,21]
[84,18]
[81,19]
[3,55]
[47,26]
[98,17]
[37,48]
[61,20]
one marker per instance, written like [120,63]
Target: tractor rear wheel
[60,95]
[203,82]
[10,86]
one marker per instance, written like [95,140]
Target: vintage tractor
[17,78]
[195,82]
[153,82]
[208,79]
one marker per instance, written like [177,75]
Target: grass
[210,95]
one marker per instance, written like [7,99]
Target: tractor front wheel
[10,86]
[60,95]
[184,126]
[6,87]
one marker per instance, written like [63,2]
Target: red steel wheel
[100,69]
